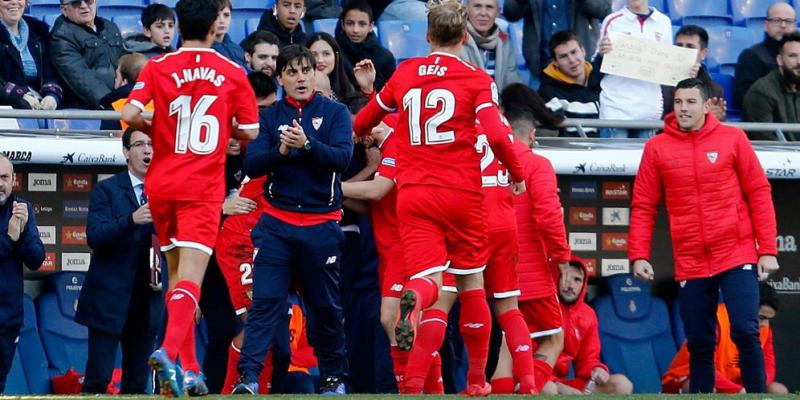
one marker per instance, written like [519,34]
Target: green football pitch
[384,397]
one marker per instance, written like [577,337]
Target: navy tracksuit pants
[698,302]
[312,255]
[8,347]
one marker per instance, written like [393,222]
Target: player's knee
[550,388]
[502,306]
[469,282]
[620,384]
[777,388]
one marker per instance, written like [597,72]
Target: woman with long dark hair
[329,61]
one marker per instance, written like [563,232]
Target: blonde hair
[447,22]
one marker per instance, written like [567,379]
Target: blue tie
[142,197]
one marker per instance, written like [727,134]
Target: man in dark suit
[118,303]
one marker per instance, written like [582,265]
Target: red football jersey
[252,189]
[438,98]
[496,191]
[196,94]
[384,212]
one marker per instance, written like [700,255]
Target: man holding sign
[623,97]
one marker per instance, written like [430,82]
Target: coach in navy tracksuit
[117,302]
[19,244]
[304,145]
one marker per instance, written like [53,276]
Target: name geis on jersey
[198,74]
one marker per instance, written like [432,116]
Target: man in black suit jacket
[118,303]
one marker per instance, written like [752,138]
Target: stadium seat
[405,39]
[724,45]
[751,12]
[42,10]
[128,24]
[698,12]
[247,13]
[251,25]
[726,81]
[49,19]
[74,124]
[237,30]
[659,5]
[327,25]
[28,373]
[113,8]
[635,332]
[65,341]
[170,3]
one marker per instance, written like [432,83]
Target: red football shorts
[500,276]
[543,315]
[391,270]
[235,260]
[449,283]
[185,223]
[437,225]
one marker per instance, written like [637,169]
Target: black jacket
[86,60]
[139,43]
[285,38]
[753,64]
[352,53]
[12,77]
[573,100]
[28,250]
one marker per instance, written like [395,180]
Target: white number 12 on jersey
[191,124]
[412,103]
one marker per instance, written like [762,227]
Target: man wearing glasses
[120,301]
[759,60]
[84,49]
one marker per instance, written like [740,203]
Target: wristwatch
[307,145]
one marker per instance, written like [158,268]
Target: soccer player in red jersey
[440,205]
[197,93]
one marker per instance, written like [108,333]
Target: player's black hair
[196,17]
[694,30]
[767,296]
[693,83]
[521,96]
[560,38]
[262,84]
[359,5]
[126,137]
[788,38]
[292,54]
[258,37]
[156,12]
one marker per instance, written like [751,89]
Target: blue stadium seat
[635,333]
[74,124]
[251,25]
[128,24]
[751,12]
[405,39]
[65,341]
[254,4]
[698,12]
[724,45]
[726,81]
[42,10]
[170,3]
[659,5]
[247,13]
[677,323]
[113,8]
[49,19]
[237,30]
[327,25]
[28,373]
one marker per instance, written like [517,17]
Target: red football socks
[232,373]
[433,382]
[503,385]
[426,289]
[475,328]
[542,371]
[430,335]
[187,353]
[399,361]
[181,305]
[518,339]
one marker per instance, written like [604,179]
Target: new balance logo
[331,260]
[176,296]
[747,267]
[473,325]
[522,348]
[396,288]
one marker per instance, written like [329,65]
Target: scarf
[485,42]
[20,43]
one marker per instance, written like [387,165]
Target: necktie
[142,197]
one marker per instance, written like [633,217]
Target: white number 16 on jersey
[189,135]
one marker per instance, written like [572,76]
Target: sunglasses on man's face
[77,3]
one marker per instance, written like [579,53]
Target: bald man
[760,59]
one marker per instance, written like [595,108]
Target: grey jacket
[771,100]
[86,60]
[505,68]
[584,17]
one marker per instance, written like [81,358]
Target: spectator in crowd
[304,161]
[27,78]
[85,49]
[581,342]
[329,62]
[727,375]
[774,98]
[120,302]
[565,82]
[158,22]
[19,245]
[522,99]
[759,59]
[414,10]
[264,88]
[318,9]
[626,98]
[489,47]
[284,21]
[722,224]
[355,36]
[223,43]
[543,18]
[130,65]
[696,37]
[261,52]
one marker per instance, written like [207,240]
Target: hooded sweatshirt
[570,98]
[268,22]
